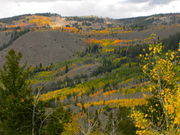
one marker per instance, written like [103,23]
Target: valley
[90,64]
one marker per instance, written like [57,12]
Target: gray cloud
[152,2]
[105,8]
[38,1]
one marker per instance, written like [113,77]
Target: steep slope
[46,47]
[4,38]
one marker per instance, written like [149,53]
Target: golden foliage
[96,93]
[164,88]
[72,128]
[104,42]
[109,93]
[118,102]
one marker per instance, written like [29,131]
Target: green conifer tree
[16,99]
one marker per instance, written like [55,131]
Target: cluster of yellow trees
[108,31]
[104,42]
[162,116]
[118,102]
[109,93]
[96,93]
[40,21]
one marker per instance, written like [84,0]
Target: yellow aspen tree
[162,114]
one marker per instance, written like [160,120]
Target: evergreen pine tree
[16,99]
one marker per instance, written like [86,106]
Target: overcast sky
[102,8]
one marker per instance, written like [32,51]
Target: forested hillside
[89,75]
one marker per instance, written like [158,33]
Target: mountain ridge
[156,19]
